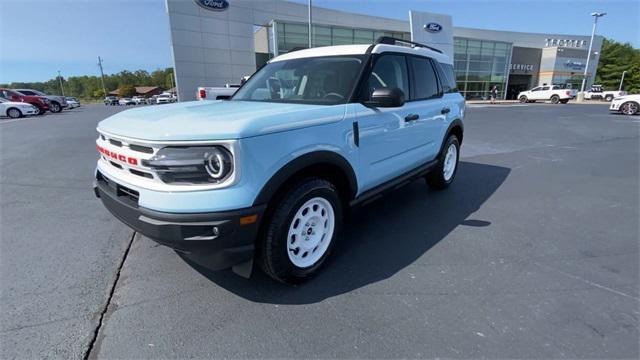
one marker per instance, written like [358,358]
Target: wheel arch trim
[307,160]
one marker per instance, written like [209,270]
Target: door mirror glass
[387,97]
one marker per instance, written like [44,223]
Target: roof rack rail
[388,40]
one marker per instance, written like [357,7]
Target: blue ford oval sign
[433,27]
[215,5]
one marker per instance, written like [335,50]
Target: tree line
[90,87]
[615,58]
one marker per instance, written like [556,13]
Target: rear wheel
[555,99]
[523,99]
[445,171]
[629,108]
[608,97]
[14,113]
[301,231]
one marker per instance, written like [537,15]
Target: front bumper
[216,240]
[615,106]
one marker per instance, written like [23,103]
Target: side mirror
[387,97]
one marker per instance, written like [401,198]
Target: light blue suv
[269,175]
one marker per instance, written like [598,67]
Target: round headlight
[216,166]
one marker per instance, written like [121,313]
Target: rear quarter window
[447,77]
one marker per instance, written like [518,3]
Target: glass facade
[480,64]
[295,35]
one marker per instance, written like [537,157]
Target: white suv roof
[361,50]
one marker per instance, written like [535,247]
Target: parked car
[16,109]
[627,105]
[597,92]
[41,102]
[165,99]
[269,175]
[553,93]
[152,100]
[111,100]
[56,103]
[126,101]
[72,102]
[139,100]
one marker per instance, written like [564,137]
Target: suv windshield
[325,80]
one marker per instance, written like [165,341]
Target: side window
[447,79]
[425,83]
[536,89]
[545,88]
[389,71]
[27,92]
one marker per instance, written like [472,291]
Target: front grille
[141,173]
[144,149]
[115,142]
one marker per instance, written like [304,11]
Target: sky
[40,37]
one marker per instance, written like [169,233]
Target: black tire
[436,178]
[630,108]
[273,249]
[608,98]
[41,111]
[555,99]
[564,101]
[55,107]
[14,113]
[523,99]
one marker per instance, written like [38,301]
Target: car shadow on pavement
[380,239]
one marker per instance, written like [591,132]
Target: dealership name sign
[565,42]
[215,5]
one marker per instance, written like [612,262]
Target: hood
[217,120]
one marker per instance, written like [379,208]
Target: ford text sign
[433,27]
[215,5]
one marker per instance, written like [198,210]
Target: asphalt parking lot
[532,253]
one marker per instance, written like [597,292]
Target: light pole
[595,15]
[104,90]
[621,80]
[61,87]
[310,27]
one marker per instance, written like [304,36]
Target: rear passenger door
[427,103]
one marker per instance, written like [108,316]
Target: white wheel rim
[450,162]
[310,232]
[629,108]
[13,113]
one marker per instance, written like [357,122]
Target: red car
[41,102]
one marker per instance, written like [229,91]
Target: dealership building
[217,42]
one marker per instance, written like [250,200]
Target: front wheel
[555,99]
[608,98]
[445,171]
[523,99]
[55,107]
[301,231]
[14,113]
[629,108]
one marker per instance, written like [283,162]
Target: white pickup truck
[216,93]
[554,93]
[219,93]
[597,92]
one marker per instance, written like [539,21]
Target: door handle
[411,117]
[445,110]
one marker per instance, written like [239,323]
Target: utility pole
[104,90]
[61,86]
[621,80]
[310,26]
[595,15]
